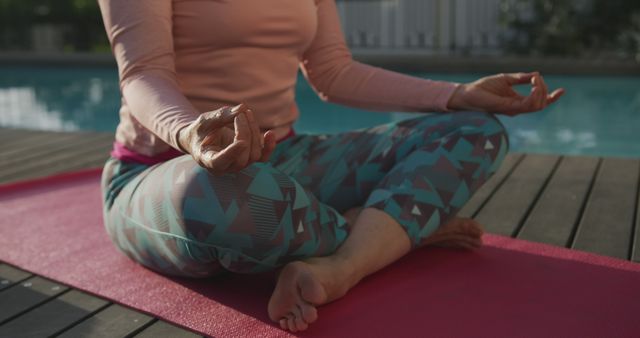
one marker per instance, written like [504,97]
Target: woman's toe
[309,313]
[301,325]
[291,323]
[283,324]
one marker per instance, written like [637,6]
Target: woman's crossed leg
[410,176]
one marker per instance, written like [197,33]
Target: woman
[238,202]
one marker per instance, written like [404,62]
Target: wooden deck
[586,203]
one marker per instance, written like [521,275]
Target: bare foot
[304,285]
[460,233]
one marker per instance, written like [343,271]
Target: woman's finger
[544,85]
[269,145]
[536,94]
[210,161]
[257,142]
[528,104]
[536,99]
[518,78]
[545,91]
[227,160]
[515,106]
[205,159]
[243,134]
[553,97]
[219,118]
[539,95]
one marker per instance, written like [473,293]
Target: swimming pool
[598,115]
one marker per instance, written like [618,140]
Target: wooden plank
[480,197]
[7,134]
[79,162]
[54,164]
[53,147]
[71,307]
[9,276]
[44,153]
[164,329]
[11,132]
[16,134]
[508,207]
[81,150]
[26,295]
[558,210]
[24,140]
[44,147]
[114,321]
[54,316]
[607,222]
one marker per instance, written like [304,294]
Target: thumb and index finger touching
[247,144]
[539,96]
[220,118]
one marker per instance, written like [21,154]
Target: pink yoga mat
[509,288]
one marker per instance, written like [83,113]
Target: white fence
[440,26]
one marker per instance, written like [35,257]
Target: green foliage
[573,27]
[79,20]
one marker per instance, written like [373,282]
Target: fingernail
[236,108]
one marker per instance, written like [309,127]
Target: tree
[80,19]
[572,27]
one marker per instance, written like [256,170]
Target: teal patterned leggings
[177,219]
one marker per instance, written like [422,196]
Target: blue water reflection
[597,116]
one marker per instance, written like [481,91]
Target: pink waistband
[125,154]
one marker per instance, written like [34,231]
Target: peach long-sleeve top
[179,58]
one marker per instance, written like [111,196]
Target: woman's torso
[234,51]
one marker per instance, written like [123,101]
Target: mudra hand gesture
[495,94]
[226,140]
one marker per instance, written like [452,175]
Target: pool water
[597,116]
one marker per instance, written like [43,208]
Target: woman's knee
[470,125]
[488,123]
[472,121]
[257,219]
[487,135]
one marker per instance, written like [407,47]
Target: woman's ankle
[336,273]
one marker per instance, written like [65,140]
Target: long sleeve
[140,33]
[328,66]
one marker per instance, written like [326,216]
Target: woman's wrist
[184,141]
[454,100]
[458,100]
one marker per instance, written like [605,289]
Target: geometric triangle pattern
[178,219]
[427,186]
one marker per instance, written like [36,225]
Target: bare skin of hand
[226,140]
[495,94]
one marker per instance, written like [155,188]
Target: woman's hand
[226,140]
[495,94]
